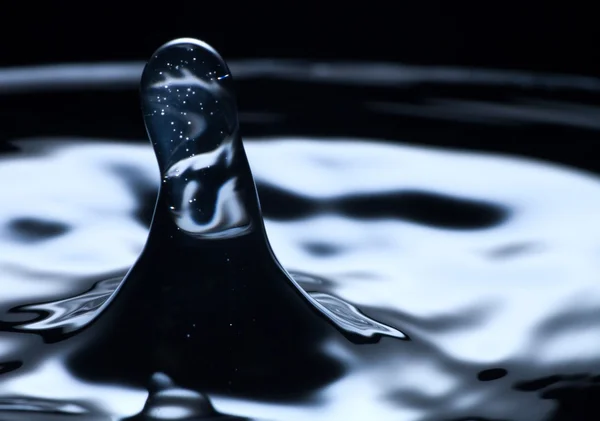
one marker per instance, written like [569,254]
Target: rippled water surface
[482,264]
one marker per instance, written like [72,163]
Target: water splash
[188,295]
[190,113]
[457,288]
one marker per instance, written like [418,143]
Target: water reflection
[69,314]
[495,338]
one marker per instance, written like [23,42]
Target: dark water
[437,228]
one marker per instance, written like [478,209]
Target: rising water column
[207,303]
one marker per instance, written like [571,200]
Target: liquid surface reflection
[411,282]
[504,325]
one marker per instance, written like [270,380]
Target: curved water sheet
[504,323]
[65,316]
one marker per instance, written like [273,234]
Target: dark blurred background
[527,36]
[560,38]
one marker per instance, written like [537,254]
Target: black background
[561,38]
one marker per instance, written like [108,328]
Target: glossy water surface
[436,283]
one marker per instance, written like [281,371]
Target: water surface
[485,259]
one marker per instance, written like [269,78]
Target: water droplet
[208,138]
[166,401]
